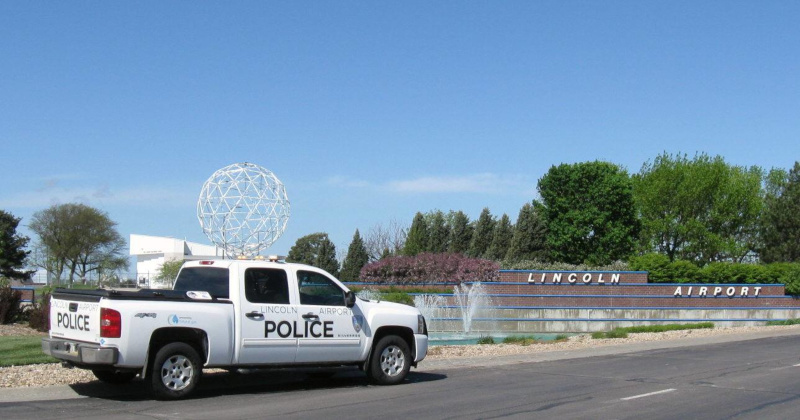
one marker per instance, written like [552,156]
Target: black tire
[175,372]
[113,377]
[390,361]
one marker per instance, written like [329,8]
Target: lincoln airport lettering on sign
[572,278]
[704,291]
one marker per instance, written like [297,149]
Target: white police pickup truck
[232,314]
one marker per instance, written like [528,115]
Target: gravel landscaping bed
[54,374]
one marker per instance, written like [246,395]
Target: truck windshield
[209,279]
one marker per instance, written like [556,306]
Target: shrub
[398,297]
[623,332]
[430,268]
[683,271]
[520,340]
[792,280]
[615,333]
[726,272]
[9,302]
[655,264]
[486,339]
[39,315]
[794,321]
[556,266]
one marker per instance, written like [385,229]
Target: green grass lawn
[22,350]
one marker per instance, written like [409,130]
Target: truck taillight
[110,323]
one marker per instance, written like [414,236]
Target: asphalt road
[754,379]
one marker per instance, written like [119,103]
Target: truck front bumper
[421,346]
[79,353]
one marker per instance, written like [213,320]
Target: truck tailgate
[76,317]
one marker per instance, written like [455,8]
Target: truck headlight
[421,327]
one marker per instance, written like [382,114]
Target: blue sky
[371,111]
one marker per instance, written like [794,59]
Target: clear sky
[371,111]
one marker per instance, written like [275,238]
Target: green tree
[780,223]
[700,209]
[417,240]
[590,212]
[438,233]
[12,248]
[460,232]
[168,272]
[316,250]
[77,239]
[357,258]
[482,234]
[501,239]
[530,235]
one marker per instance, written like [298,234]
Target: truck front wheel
[390,361]
[175,372]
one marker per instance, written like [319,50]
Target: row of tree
[698,209]
[487,237]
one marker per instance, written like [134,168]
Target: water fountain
[469,300]
[369,294]
[428,305]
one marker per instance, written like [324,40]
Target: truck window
[266,285]
[316,289]
[209,279]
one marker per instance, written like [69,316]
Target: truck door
[328,334]
[267,318]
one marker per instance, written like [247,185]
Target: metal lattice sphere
[243,208]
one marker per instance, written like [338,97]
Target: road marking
[663,391]
[797,365]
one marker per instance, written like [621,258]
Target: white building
[152,251]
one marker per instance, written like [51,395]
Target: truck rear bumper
[421,345]
[79,353]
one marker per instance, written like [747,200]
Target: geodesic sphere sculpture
[243,208]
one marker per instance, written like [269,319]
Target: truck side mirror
[349,299]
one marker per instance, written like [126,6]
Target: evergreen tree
[501,239]
[417,240]
[530,235]
[316,250]
[12,248]
[780,229]
[438,234]
[357,258]
[482,235]
[460,233]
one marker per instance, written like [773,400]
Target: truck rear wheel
[113,377]
[176,371]
[390,361]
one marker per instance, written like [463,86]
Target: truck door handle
[254,315]
[310,316]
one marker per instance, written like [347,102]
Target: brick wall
[594,289]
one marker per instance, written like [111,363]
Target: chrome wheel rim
[177,372]
[392,360]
